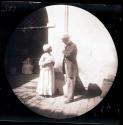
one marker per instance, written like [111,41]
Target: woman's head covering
[46,47]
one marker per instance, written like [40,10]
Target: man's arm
[69,51]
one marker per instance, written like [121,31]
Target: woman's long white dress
[46,79]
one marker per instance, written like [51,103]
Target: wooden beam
[66,19]
[38,27]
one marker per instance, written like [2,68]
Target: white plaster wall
[97,57]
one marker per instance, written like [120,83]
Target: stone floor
[54,107]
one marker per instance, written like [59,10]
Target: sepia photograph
[61,61]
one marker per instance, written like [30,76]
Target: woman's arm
[42,61]
[46,61]
[49,61]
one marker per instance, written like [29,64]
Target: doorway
[27,41]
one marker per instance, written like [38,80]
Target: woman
[46,79]
[27,67]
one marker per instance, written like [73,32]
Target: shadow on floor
[18,80]
[93,91]
[79,87]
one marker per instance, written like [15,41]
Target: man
[70,68]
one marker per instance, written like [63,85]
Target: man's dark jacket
[70,54]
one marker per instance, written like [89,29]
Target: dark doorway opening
[27,41]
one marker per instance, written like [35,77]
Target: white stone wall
[97,57]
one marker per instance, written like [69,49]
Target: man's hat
[65,36]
